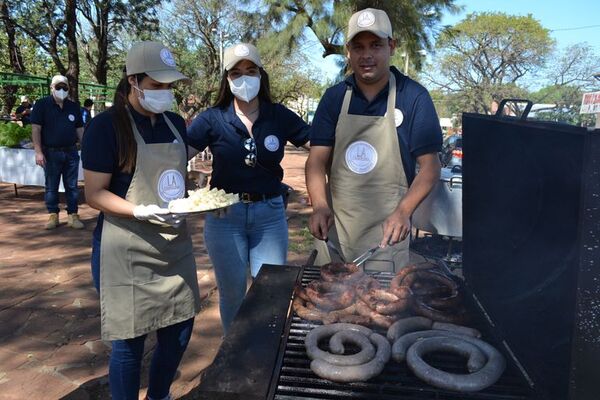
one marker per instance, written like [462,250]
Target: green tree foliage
[414,22]
[484,57]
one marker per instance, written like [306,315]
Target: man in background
[56,126]
[23,112]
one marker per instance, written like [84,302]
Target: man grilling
[369,134]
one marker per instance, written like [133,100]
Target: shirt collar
[230,116]
[142,119]
[400,79]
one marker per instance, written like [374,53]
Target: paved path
[50,345]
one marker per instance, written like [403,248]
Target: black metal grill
[297,381]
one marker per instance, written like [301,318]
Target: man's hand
[396,228]
[155,214]
[40,159]
[319,222]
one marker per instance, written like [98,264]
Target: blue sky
[571,21]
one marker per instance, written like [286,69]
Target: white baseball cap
[239,52]
[369,20]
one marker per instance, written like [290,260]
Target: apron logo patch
[398,117]
[361,157]
[171,185]
[272,143]
[71,117]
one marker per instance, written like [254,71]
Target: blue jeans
[248,234]
[126,360]
[65,164]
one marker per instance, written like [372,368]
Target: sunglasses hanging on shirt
[250,159]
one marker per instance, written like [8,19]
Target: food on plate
[203,199]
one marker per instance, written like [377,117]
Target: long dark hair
[126,145]
[226,97]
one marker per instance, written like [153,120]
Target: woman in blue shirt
[246,133]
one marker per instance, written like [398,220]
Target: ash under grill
[297,381]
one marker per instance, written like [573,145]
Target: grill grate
[297,381]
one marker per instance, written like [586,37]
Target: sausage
[311,343]
[493,363]
[385,302]
[340,272]
[376,319]
[355,373]
[334,316]
[329,296]
[303,312]
[397,280]
[424,310]
[463,330]
[406,325]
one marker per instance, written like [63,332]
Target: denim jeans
[126,360]
[248,234]
[65,164]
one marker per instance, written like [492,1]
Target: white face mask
[156,101]
[245,87]
[60,94]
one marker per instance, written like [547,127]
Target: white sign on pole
[590,104]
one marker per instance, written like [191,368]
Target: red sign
[590,103]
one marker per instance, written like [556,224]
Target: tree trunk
[15,58]
[72,52]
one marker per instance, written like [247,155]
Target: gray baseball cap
[369,20]
[153,59]
[239,52]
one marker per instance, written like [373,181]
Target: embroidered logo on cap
[171,185]
[167,57]
[241,50]
[398,117]
[272,143]
[71,117]
[365,19]
[361,157]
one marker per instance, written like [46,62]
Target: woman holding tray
[134,158]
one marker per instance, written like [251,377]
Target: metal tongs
[335,250]
[365,256]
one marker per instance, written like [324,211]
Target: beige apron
[148,271]
[365,183]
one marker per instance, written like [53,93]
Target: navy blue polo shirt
[224,133]
[419,133]
[59,125]
[99,150]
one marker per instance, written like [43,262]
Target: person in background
[86,112]
[23,112]
[246,133]
[56,127]
[189,108]
[368,135]
[134,159]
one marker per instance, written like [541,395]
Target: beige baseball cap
[369,20]
[239,52]
[153,59]
[56,79]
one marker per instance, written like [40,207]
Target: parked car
[452,152]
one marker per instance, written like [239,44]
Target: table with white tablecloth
[18,166]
